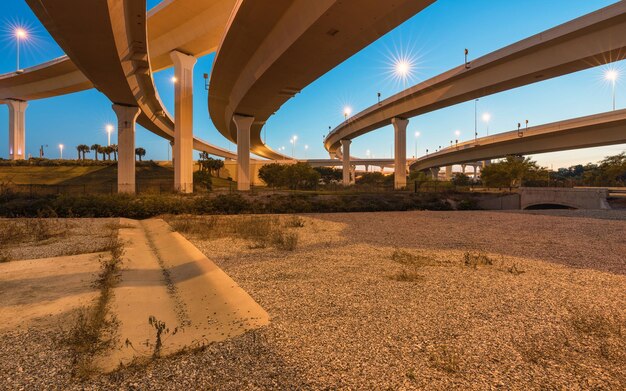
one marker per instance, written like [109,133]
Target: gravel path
[60,236]
[341,319]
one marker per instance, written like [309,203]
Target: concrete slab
[165,276]
[33,291]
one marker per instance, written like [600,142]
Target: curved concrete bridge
[594,39]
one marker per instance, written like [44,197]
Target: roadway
[264,61]
[591,40]
[584,132]
[191,27]
[194,27]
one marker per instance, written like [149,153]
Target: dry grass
[13,232]
[95,328]
[445,358]
[261,231]
[407,275]
[412,263]
[409,259]
[474,260]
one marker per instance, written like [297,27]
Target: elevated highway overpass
[584,132]
[591,40]
[274,49]
[190,27]
[107,41]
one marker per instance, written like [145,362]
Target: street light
[109,129]
[293,146]
[486,119]
[174,79]
[20,34]
[61,150]
[417,134]
[612,75]
[306,148]
[346,112]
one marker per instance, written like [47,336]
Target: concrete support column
[434,172]
[126,117]
[448,172]
[463,168]
[399,128]
[243,124]
[353,175]
[345,150]
[17,129]
[474,171]
[183,119]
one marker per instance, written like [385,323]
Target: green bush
[149,205]
[292,176]
[202,180]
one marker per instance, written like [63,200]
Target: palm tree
[140,152]
[108,150]
[82,148]
[103,151]
[114,151]
[96,149]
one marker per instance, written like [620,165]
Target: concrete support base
[345,150]
[243,124]
[17,129]
[126,117]
[434,173]
[399,128]
[448,172]
[183,130]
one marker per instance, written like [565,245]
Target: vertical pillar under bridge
[183,121]
[126,121]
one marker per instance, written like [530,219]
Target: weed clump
[95,329]
[407,275]
[161,331]
[474,260]
[445,358]
[408,259]
[262,231]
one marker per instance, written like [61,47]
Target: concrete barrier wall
[573,198]
[499,201]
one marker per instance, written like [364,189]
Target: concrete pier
[126,120]
[183,120]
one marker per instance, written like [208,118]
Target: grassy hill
[91,176]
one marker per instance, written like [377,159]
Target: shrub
[202,180]
[292,176]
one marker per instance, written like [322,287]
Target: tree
[273,174]
[372,178]
[114,151]
[460,179]
[209,164]
[513,171]
[140,152]
[202,179]
[108,151]
[329,174]
[82,149]
[103,151]
[293,176]
[96,149]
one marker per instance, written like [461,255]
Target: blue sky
[436,38]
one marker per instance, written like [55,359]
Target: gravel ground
[549,312]
[45,238]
